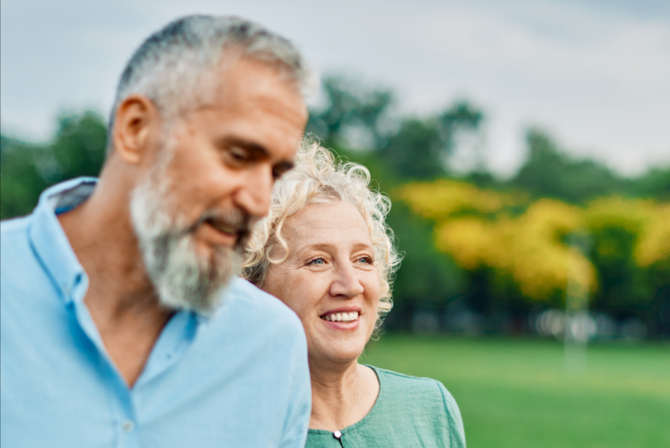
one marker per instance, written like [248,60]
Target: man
[122,321]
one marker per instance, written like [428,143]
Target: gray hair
[174,66]
[319,178]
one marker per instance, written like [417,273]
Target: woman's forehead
[334,222]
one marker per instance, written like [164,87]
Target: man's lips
[229,228]
[220,235]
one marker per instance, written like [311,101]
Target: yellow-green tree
[523,247]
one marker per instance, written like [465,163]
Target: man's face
[211,179]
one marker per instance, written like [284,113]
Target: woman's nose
[346,282]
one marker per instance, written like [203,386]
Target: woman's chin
[338,355]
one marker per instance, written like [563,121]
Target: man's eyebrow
[258,150]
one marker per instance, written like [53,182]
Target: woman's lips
[341,319]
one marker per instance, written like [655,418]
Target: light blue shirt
[238,379]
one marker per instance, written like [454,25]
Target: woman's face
[329,279]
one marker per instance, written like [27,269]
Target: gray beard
[183,280]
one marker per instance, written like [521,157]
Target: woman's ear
[136,129]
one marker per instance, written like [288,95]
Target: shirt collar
[49,240]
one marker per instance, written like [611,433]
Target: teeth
[226,229]
[222,227]
[342,317]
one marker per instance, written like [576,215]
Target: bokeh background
[525,146]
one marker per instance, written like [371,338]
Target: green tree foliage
[77,149]
[653,184]
[79,146]
[411,147]
[549,172]
[350,106]
[427,275]
[414,151]
[20,180]
[462,117]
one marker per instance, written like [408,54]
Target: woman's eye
[366,260]
[317,261]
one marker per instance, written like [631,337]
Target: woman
[326,251]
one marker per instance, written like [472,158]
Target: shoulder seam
[411,377]
[11,226]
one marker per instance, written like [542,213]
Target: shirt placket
[124,416]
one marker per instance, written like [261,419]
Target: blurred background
[525,146]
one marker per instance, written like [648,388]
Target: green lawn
[515,393]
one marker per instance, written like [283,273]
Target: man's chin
[198,288]
[202,304]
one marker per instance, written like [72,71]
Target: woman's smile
[342,318]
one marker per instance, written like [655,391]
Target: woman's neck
[341,396]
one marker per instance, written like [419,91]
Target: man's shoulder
[14,235]
[12,226]
[244,299]
[251,296]
[252,328]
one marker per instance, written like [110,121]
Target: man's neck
[120,298]
[341,396]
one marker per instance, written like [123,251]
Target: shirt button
[127,426]
[337,435]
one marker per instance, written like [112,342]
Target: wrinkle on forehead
[342,219]
[243,83]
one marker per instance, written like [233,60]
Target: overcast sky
[594,73]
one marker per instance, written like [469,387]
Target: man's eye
[238,154]
[277,173]
[280,169]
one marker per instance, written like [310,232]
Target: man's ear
[136,130]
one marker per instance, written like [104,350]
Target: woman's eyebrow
[326,246]
[315,246]
[359,246]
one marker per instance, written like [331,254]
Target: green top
[409,412]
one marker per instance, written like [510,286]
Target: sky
[595,74]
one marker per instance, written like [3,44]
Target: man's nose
[346,282]
[255,192]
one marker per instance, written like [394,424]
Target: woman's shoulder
[425,398]
[400,383]
[410,411]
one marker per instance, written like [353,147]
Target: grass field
[516,393]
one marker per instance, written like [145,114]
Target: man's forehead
[242,74]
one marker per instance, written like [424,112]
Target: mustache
[233,221]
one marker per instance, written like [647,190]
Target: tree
[549,172]
[351,106]
[415,150]
[20,179]
[77,149]
[412,147]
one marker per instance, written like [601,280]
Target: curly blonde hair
[319,178]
